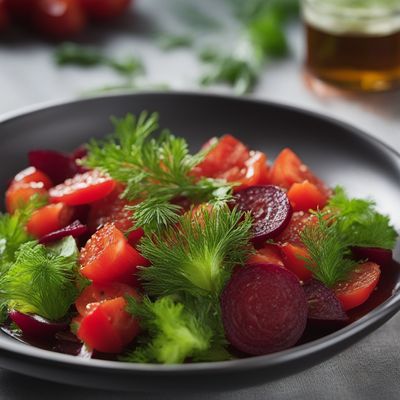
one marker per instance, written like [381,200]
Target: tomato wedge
[289,169]
[358,286]
[107,257]
[293,260]
[31,174]
[108,327]
[18,194]
[48,219]
[306,196]
[97,293]
[298,222]
[269,254]
[83,188]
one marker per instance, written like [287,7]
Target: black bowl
[337,152]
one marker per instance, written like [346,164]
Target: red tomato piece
[107,257]
[227,154]
[31,174]
[292,259]
[97,293]
[269,254]
[113,209]
[288,169]
[105,9]
[108,327]
[358,286]
[19,194]
[4,17]
[58,18]
[296,225]
[306,196]
[83,188]
[48,219]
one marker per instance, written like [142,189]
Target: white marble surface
[28,76]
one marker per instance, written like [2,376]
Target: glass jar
[354,43]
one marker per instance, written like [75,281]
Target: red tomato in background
[83,188]
[97,293]
[107,257]
[4,17]
[20,9]
[108,327]
[18,194]
[105,9]
[306,196]
[48,219]
[31,174]
[358,286]
[58,18]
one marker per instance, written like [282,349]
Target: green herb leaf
[41,281]
[169,42]
[175,333]
[197,255]
[156,170]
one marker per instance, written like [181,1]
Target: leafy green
[197,255]
[175,332]
[155,169]
[41,280]
[359,224]
[73,54]
[343,224]
[169,42]
[13,232]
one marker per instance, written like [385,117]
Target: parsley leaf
[41,280]
[176,333]
[155,169]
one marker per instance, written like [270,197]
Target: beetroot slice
[75,229]
[35,326]
[270,208]
[322,303]
[58,166]
[264,309]
[374,254]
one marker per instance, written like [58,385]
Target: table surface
[28,76]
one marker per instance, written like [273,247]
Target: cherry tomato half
[48,219]
[306,196]
[107,257]
[358,286]
[58,18]
[18,194]
[83,188]
[108,327]
[31,174]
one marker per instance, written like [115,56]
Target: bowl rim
[386,309]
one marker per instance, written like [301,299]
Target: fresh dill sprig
[329,256]
[175,332]
[13,232]
[197,255]
[155,169]
[42,280]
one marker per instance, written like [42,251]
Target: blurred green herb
[263,37]
[73,54]
[169,42]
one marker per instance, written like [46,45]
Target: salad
[132,248]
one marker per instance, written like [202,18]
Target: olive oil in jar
[354,44]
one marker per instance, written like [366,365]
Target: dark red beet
[35,326]
[75,229]
[270,208]
[264,309]
[79,152]
[322,303]
[58,166]
[375,254]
